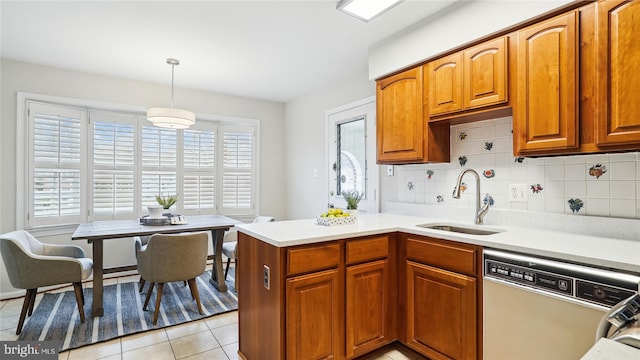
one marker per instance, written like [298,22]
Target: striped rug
[56,317]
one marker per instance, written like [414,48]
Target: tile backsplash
[606,185]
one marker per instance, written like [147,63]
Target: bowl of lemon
[336,217]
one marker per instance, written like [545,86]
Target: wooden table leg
[217,275]
[97,307]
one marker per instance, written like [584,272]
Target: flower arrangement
[352,197]
[167,201]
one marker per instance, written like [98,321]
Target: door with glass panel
[351,154]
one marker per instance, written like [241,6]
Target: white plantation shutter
[159,164]
[237,169]
[198,170]
[83,164]
[55,162]
[113,139]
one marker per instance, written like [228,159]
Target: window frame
[24,143]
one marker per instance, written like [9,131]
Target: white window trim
[22,152]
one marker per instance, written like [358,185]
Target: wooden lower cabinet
[441,312]
[368,326]
[313,316]
[347,298]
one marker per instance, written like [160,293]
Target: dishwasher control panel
[574,281]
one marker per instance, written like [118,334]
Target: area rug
[56,317]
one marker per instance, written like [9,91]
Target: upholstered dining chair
[32,264]
[230,243]
[173,257]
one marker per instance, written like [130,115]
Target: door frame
[374,179]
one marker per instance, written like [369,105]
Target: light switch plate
[389,170]
[518,192]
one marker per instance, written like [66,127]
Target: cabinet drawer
[444,255]
[367,249]
[307,259]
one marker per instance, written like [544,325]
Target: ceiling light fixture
[366,10]
[170,117]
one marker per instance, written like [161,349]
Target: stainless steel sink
[460,229]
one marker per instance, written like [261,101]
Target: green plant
[167,201]
[352,197]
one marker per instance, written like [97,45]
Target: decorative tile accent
[488,145]
[489,173]
[597,170]
[536,188]
[410,185]
[488,198]
[440,198]
[575,205]
[462,160]
[429,174]
[462,135]
[518,160]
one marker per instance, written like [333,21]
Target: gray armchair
[230,242]
[32,264]
[173,257]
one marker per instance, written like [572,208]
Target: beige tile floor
[213,338]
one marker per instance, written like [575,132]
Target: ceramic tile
[10,322]
[226,334]
[193,344]
[215,354]
[232,351]
[161,351]
[222,320]
[599,207]
[622,189]
[575,172]
[624,170]
[554,172]
[64,355]
[96,351]
[598,189]
[190,328]
[573,189]
[623,208]
[623,157]
[147,338]
[8,334]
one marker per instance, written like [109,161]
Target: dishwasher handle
[619,315]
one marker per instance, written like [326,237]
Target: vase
[352,212]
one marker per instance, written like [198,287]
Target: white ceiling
[272,50]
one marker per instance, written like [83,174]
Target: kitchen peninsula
[310,291]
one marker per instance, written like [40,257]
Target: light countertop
[599,251]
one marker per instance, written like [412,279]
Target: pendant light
[171,117]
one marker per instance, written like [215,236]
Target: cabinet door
[367,293]
[485,74]
[545,111]
[445,84]
[441,312]
[618,76]
[313,316]
[399,128]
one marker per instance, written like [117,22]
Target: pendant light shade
[170,117]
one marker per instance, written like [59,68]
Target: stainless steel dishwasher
[536,308]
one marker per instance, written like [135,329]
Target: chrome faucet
[480,212]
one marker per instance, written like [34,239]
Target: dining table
[96,232]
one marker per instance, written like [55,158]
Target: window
[90,164]
[351,155]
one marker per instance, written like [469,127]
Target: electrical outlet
[266,277]
[389,170]
[518,192]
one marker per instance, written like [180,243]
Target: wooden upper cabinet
[618,75]
[399,128]
[485,74]
[546,108]
[445,84]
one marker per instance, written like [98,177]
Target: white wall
[305,143]
[24,77]
[456,25]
